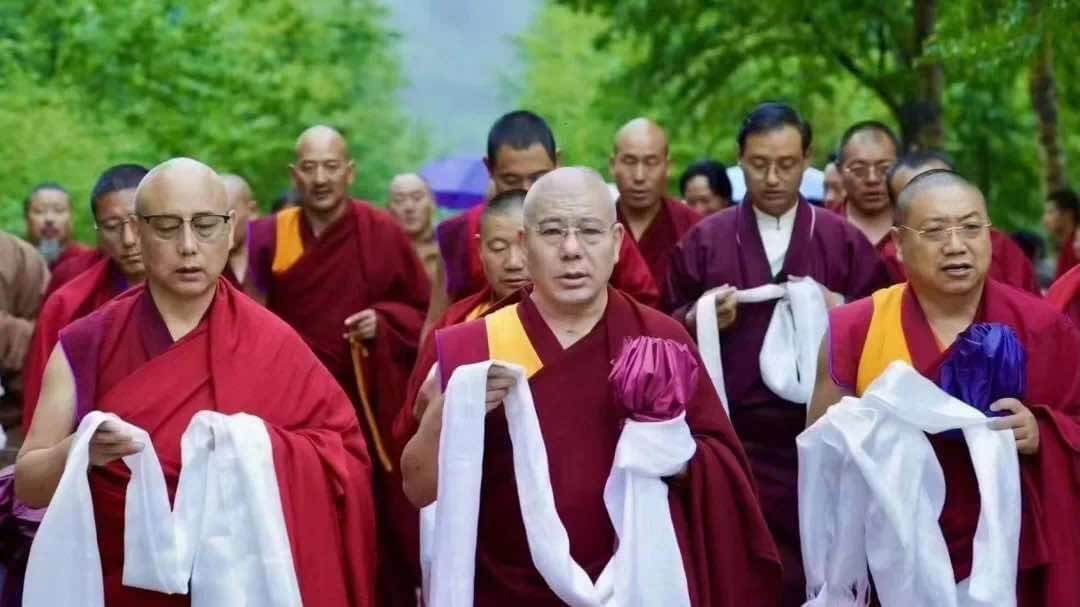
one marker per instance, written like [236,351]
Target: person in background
[1061,219]
[705,187]
[48,224]
[413,206]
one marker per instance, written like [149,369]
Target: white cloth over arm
[647,567]
[788,357]
[871,491]
[226,535]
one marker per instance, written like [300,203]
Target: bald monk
[505,275]
[346,277]
[867,151]
[186,342]
[945,247]
[574,325]
[112,203]
[413,206]
[520,150]
[1008,262]
[245,208]
[48,224]
[639,165]
[773,236]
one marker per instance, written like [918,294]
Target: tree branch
[848,63]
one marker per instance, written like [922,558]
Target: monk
[520,150]
[639,165]
[112,203]
[945,247]
[706,187]
[867,151]
[413,206]
[574,326]
[245,208]
[48,224]
[773,236]
[505,275]
[23,275]
[1008,262]
[347,278]
[834,187]
[1061,220]
[184,343]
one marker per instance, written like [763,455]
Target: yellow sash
[508,341]
[478,311]
[288,245]
[885,341]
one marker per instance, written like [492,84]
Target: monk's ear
[351,175]
[232,229]
[894,233]
[619,232]
[294,173]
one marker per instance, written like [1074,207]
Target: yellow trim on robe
[508,341]
[288,245]
[885,340]
[478,311]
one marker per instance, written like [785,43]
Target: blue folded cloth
[987,363]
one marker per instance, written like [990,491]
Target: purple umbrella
[458,183]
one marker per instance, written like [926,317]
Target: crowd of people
[625,378]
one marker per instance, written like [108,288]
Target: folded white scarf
[647,567]
[871,491]
[788,357]
[226,535]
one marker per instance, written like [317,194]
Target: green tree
[231,82]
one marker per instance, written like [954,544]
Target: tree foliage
[699,65]
[87,83]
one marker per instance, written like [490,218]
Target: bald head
[182,186]
[242,203]
[641,130]
[321,137]
[926,188]
[581,188]
[322,172]
[639,165]
[407,182]
[236,188]
[412,204]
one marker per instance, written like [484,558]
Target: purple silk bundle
[654,378]
[987,363]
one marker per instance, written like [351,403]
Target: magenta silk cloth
[654,378]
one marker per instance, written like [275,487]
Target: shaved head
[237,188]
[639,166]
[182,184]
[641,129]
[412,203]
[322,172]
[580,185]
[508,203]
[933,181]
[242,203]
[408,181]
[321,136]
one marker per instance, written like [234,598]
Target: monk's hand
[361,325]
[499,382]
[110,443]
[726,306]
[1021,421]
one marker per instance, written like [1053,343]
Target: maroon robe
[729,557]
[1064,295]
[457,239]
[726,248]
[1050,480]
[69,266]
[125,362]
[659,239]
[86,293]
[363,260]
[1008,263]
[1067,257]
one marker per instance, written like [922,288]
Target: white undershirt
[776,236]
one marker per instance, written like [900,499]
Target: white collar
[783,223]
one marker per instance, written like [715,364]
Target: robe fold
[65,271]
[1067,258]
[81,296]
[867,335]
[363,260]
[125,362]
[1008,263]
[457,238]
[728,554]
[1063,295]
[726,248]
[73,250]
[658,240]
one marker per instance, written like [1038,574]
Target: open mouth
[958,269]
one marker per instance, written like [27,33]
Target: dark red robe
[460,253]
[69,266]
[364,260]
[125,362]
[1067,257]
[81,296]
[726,248]
[72,251]
[1008,263]
[729,557]
[1050,480]
[1063,295]
[660,238]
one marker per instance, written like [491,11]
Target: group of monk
[343,326]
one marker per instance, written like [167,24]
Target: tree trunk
[923,114]
[1043,89]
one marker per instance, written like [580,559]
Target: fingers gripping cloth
[788,357]
[225,540]
[646,568]
[871,491]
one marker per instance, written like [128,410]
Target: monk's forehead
[321,144]
[504,224]
[947,201]
[572,204]
[183,191]
[641,137]
[407,184]
[870,141]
